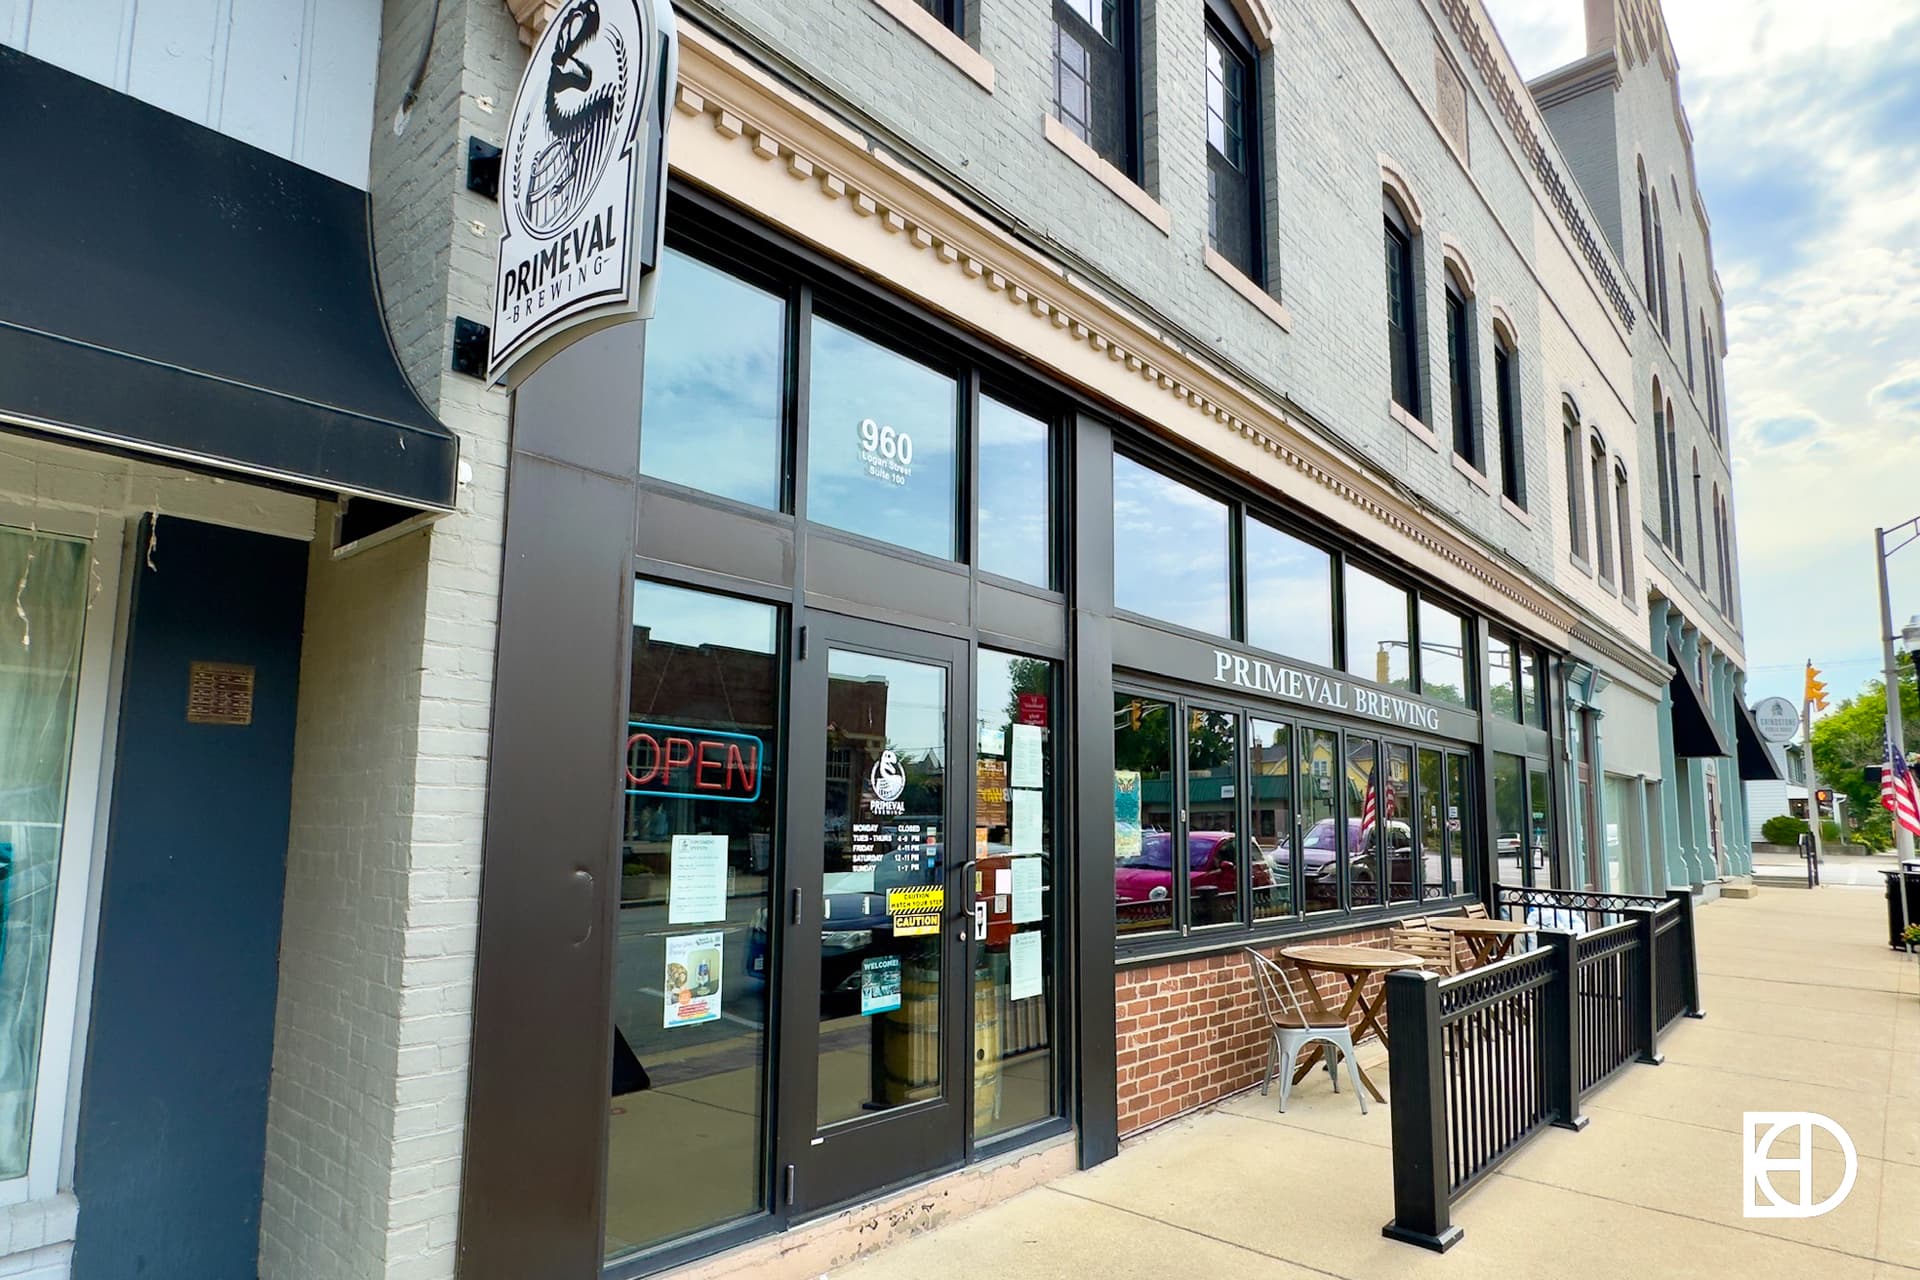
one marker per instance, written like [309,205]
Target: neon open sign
[705,764]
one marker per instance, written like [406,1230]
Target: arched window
[1403,307]
[1660,273]
[1660,465]
[1466,415]
[1623,520]
[1602,521]
[1679,543]
[1506,390]
[1699,522]
[1686,323]
[1719,547]
[1713,389]
[1646,232]
[1576,520]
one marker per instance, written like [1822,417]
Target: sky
[1806,129]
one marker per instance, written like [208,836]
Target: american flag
[1898,793]
[1370,809]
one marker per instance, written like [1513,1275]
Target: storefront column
[1693,817]
[1671,860]
[542,1031]
[1095,1036]
[1743,824]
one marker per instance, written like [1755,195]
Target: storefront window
[882,433]
[1321,846]
[715,379]
[1016,487]
[1463,869]
[1214,847]
[1378,646]
[1013,840]
[1533,689]
[1503,689]
[1270,840]
[1171,558]
[1143,827]
[1443,655]
[1397,831]
[39,690]
[1289,595]
[1546,867]
[1364,823]
[1433,824]
[692,961]
[1510,819]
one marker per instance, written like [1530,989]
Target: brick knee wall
[1189,1030]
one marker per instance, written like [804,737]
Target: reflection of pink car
[1212,865]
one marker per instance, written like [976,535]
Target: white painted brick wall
[370,1066]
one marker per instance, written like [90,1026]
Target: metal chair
[1292,1024]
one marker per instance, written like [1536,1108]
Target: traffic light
[1816,692]
[1823,797]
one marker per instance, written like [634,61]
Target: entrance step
[826,1244]
[1750,887]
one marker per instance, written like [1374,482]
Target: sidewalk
[1807,1010]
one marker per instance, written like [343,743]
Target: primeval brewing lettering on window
[668,760]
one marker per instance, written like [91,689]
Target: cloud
[1805,139]
[1898,396]
[1788,429]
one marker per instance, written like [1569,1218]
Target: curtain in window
[43,609]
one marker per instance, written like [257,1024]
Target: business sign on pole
[583,180]
[1777,719]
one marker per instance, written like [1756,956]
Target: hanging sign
[1777,720]
[583,180]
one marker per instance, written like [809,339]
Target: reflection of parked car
[1508,849]
[1212,868]
[1320,859]
[847,935]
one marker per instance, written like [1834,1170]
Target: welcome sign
[582,180]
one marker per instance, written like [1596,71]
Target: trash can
[1910,873]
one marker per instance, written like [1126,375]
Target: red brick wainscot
[1189,1030]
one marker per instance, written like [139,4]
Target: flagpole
[1896,740]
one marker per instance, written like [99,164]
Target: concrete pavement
[1807,1010]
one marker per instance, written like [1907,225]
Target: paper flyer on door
[693,978]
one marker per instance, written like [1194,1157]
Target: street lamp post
[1903,839]
[1910,636]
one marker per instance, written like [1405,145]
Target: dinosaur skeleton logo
[557,167]
[584,158]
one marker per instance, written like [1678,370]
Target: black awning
[1757,763]
[165,289]
[1694,732]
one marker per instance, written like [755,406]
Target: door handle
[967,869]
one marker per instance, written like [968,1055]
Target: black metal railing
[1483,1060]
[1612,981]
[1578,909]
[1493,1027]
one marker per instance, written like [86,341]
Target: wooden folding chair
[1431,945]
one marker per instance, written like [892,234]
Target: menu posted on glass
[692,978]
[697,882]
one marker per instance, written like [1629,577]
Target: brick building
[1016,498]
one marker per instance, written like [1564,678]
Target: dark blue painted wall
[173,1108]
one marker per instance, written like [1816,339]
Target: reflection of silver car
[1508,847]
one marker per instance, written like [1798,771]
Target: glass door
[878,913]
